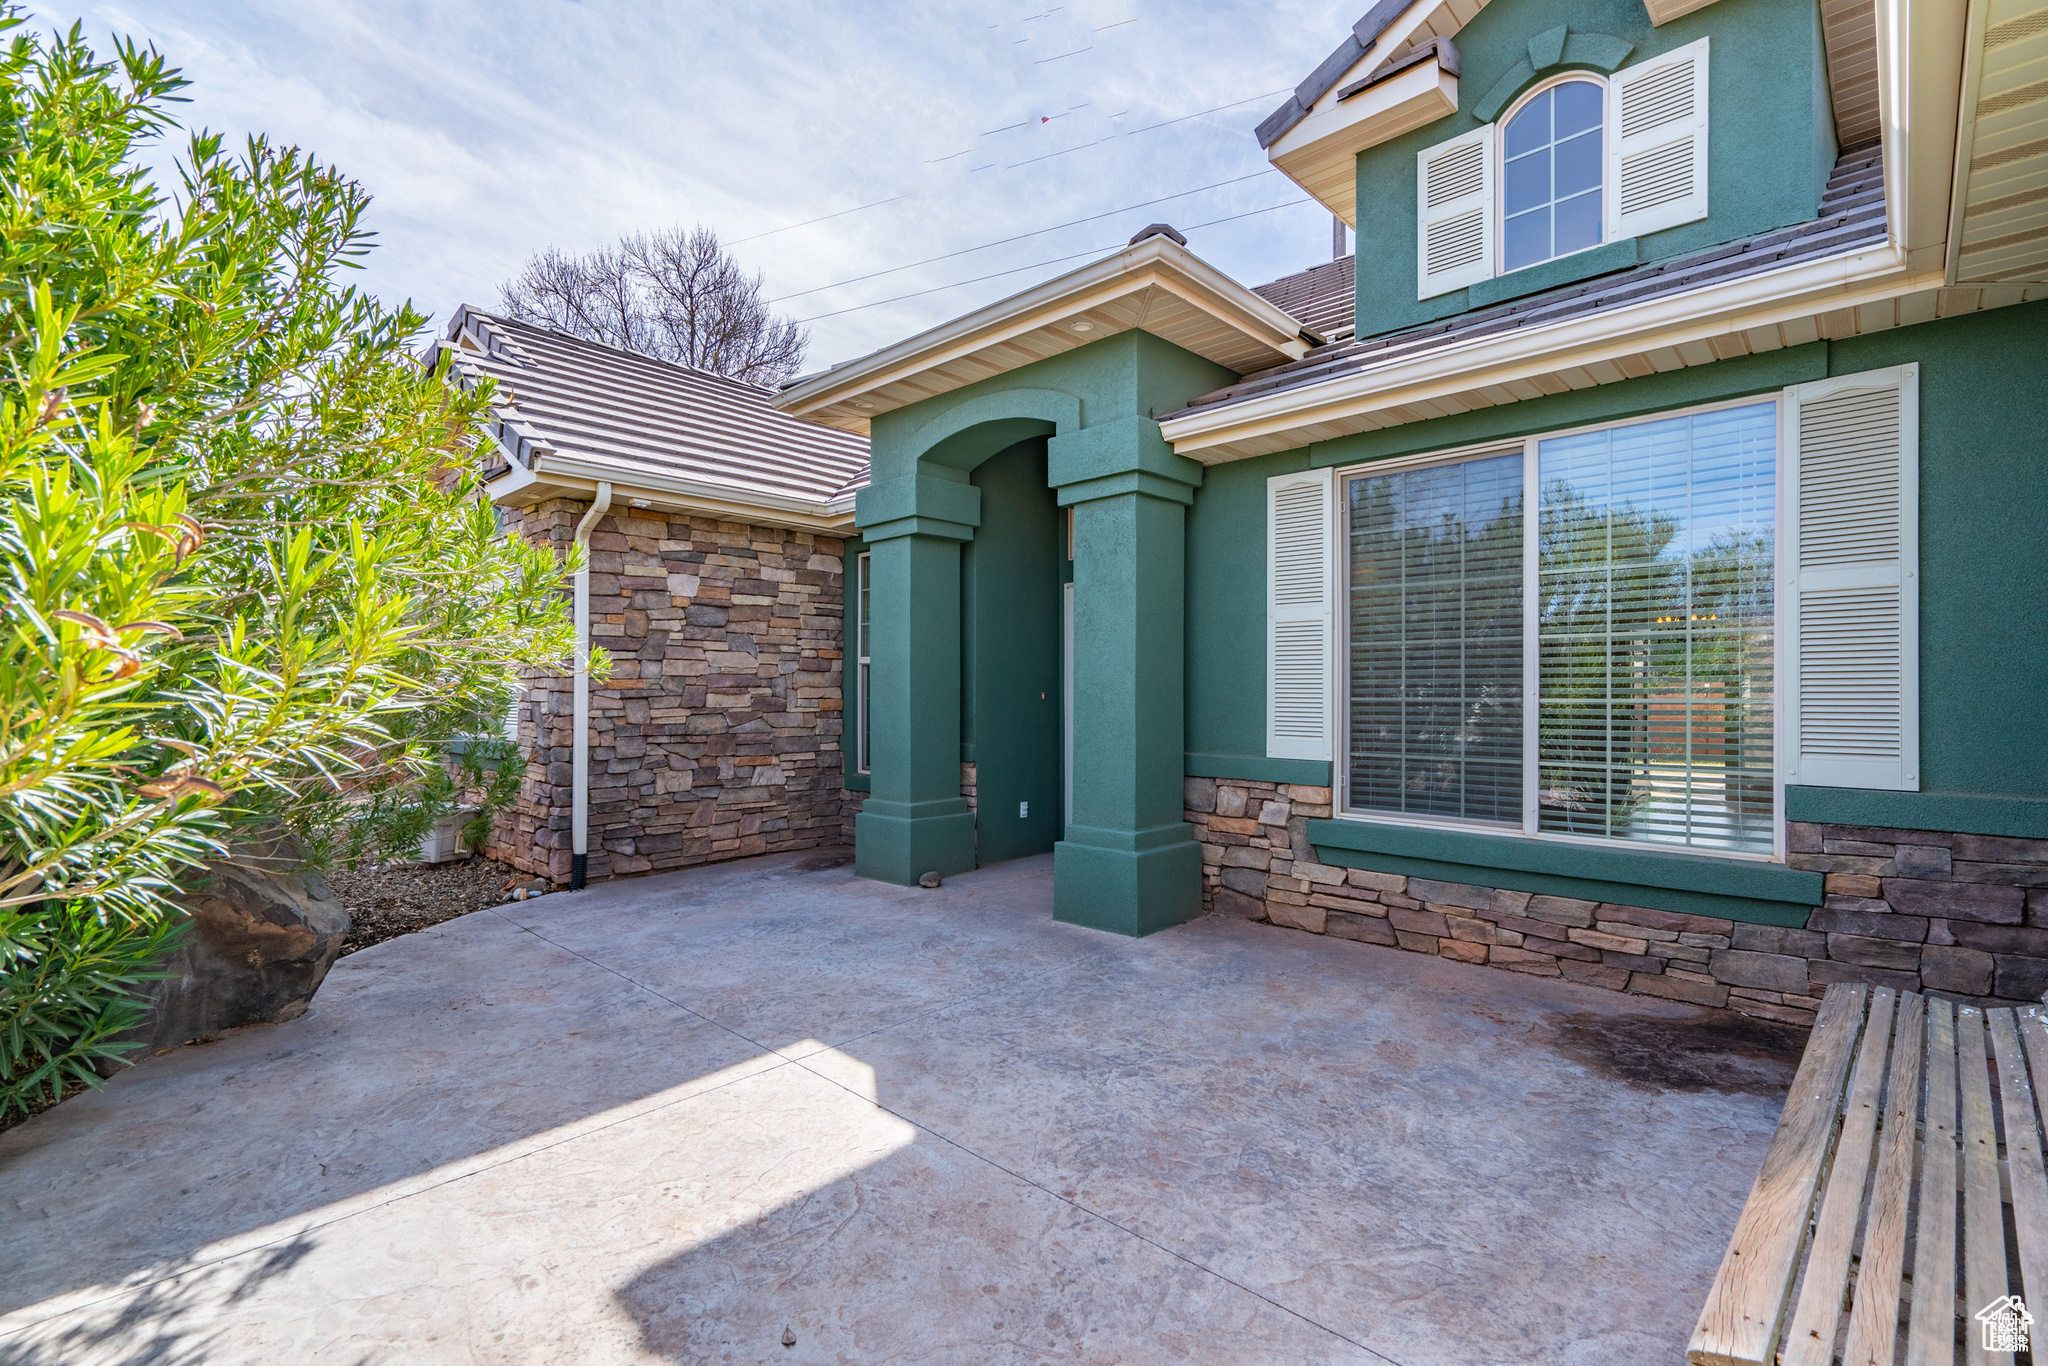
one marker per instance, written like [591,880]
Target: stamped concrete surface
[671,1119]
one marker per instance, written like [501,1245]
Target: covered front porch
[674,1118]
[1024,545]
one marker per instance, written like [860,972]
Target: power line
[935,289]
[1217,110]
[1005,241]
[787,227]
[808,221]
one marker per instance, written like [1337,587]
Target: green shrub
[245,578]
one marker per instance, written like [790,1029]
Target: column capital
[937,527]
[1098,455]
[918,504]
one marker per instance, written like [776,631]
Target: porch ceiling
[1155,285]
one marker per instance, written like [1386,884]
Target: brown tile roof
[1852,215]
[1322,298]
[602,404]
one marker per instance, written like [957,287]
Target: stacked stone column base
[1961,916]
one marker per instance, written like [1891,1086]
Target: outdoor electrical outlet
[1023,811]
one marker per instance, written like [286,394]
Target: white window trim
[863,762]
[1500,179]
[1340,708]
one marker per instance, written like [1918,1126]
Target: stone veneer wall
[718,733]
[1964,916]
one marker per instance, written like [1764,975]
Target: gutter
[690,495]
[579,746]
[1857,277]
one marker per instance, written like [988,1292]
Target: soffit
[1849,31]
[1154,286]
[1999,229]
[1383,92]
[1320,153]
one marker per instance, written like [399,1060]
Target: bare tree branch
[675,295]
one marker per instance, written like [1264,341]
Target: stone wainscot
[717,734]
[1963,916]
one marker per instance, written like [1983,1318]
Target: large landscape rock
[263,934]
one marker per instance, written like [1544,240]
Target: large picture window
[1436,640]
[1631,620]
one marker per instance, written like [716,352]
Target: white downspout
[579,745]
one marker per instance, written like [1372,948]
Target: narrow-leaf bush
[245,577]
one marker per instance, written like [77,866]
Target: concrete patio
[665,1119]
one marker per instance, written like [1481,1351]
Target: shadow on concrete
[169,1323]
[999,1139]
[467,1044]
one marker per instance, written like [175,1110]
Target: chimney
[1338,250]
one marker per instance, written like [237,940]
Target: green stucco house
[1631,566]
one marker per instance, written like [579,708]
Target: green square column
[915,820]
[1129,863]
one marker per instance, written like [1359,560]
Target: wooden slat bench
[1879,1225]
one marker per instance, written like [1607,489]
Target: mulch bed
[400,898]
[11,1116]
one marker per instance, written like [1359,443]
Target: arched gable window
[1552,165]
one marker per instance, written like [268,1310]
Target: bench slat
[1810,1341]
[2029,1180]
[1874,1319]
[1983,1212]
[1739,1324]
[1931,1332]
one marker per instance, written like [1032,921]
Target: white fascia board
[1336,131]
[1155,260]
[1664,11]
[1837,282]
[718,500]
[515,478]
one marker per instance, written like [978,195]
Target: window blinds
[1435,567]
[1655,623]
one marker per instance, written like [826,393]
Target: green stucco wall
[1983,565]
[1010,656]
[1126,860]
[1984,578]
[1771,140]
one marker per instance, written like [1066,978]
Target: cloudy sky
[489,129]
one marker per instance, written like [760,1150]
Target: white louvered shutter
[1852,693]
[1657,143]
[1454,213]
[1300,575]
